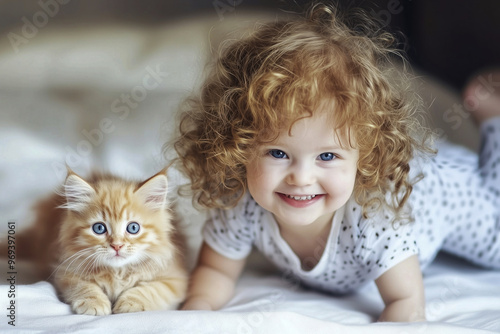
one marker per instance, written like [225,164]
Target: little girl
[305,145]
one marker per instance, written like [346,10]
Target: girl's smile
[305,175]
[299,201]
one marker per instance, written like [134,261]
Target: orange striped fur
[119,270]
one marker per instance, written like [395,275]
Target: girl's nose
[301,175]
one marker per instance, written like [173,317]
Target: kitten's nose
[116,247]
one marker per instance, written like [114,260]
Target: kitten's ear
[153,191]
[78,193]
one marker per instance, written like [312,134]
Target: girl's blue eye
[278,154]
[133,228]
[99,228]
[327,156]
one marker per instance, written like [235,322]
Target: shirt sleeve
[382,245]
[228,232]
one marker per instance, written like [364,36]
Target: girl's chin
[294,220]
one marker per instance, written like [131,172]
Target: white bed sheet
[460,299]
[65,81]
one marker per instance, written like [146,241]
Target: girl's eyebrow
[329,148]
[334,148]
[326,148]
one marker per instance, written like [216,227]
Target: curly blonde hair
[262,84]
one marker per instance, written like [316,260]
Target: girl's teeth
[301,198]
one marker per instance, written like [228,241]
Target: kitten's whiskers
[91,265]
[88,260]
[149,265]
[73,257]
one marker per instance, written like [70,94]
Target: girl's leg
[482,96]
[479,239]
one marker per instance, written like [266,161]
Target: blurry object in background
[449,39]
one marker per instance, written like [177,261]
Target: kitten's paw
[92,306]
[126,304]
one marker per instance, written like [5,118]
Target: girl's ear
[78,193]
[153,191]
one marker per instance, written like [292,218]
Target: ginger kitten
[118,248]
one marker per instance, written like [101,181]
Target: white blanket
[63,100]
[460,299]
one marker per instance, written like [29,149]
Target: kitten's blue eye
[133,228]
[278,154]
[99,228]
[327,156]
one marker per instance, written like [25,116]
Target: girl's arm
[402,291]
[212,281]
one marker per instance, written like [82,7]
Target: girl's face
[303,177]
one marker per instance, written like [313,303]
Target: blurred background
[447,38]
[95,84]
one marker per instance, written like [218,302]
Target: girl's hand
[196,304]
[402,290]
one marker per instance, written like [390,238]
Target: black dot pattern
[471,227]
[455,206]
